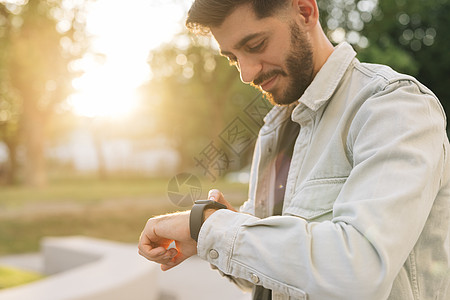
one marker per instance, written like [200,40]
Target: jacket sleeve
[241,283]
[398,158]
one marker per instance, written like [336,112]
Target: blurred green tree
[39,39]
[410,36]
[9,131]
[9,103]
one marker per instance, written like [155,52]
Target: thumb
[217,195]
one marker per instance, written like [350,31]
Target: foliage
[39,39]
[420,29]
[410,36]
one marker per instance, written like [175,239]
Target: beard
[299,70]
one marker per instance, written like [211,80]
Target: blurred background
[111,112]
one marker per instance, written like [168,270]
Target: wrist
[164,224]
[207,213]
[201,210]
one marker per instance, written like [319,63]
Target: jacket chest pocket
[314,199]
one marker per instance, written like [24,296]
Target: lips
[268,84]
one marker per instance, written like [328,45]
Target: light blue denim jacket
[366,210]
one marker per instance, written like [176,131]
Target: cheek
[275,59]
[276,54]
[280,47]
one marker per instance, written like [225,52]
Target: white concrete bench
[83,268]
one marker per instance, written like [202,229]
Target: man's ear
[307,10]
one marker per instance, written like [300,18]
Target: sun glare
[108,97]
[123,33]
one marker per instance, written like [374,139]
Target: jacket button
[254,278]
[213,254]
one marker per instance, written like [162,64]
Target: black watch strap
[196,215]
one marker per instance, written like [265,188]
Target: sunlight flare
[122,35]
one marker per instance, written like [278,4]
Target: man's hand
[160,232]
[217,195]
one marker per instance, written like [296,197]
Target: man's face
[272,54]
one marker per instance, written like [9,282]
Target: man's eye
[257,47]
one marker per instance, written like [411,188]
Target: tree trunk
[34,141]
[101,169]
[11,171]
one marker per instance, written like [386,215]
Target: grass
[10,277]
[84,189]
[114,209]
[23,234]
[90,190]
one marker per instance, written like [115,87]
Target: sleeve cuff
[217,236]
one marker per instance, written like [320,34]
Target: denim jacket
[367,206]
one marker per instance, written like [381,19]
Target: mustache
[264,76]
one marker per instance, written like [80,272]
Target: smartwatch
[196,215]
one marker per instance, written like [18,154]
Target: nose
[249,68]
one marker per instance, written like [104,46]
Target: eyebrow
[242,42]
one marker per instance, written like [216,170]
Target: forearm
[277,252]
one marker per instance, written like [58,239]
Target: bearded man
[349,195]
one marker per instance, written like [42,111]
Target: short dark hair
[205,14]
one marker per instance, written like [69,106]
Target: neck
[322,48]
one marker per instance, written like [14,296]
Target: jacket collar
[321,88]
[326,80]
